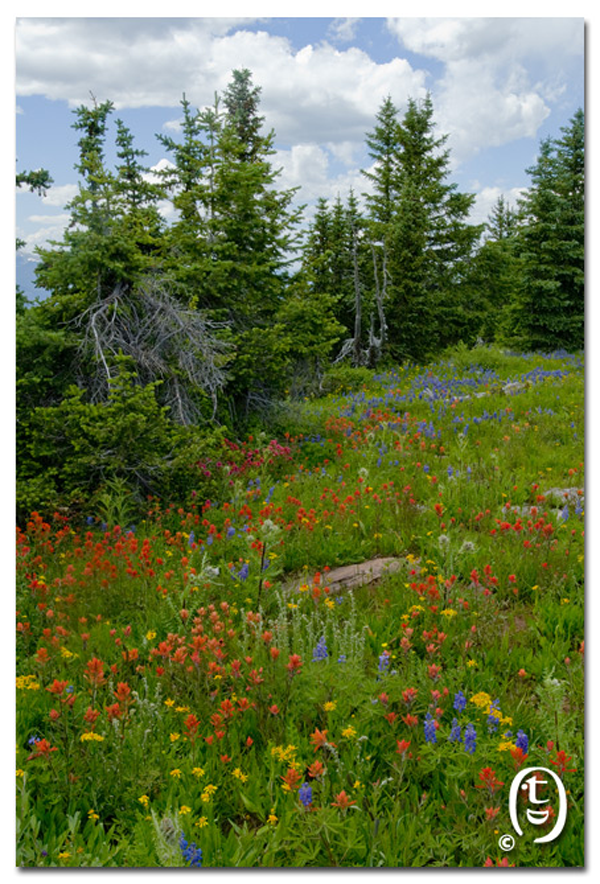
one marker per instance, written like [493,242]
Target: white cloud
[60,195]
[487,197]
[329,93]
[343,30]
[499,76]
[49,228]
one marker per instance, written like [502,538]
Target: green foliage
[550,306]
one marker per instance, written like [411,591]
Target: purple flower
[305,794]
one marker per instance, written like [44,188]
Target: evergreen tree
[551,245]
[422,221]
[494,277]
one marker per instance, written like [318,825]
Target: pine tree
[422,222]
[494,277]
[551,244]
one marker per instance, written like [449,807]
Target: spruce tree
[422,221]
[551,245]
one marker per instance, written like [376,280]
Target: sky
[498,85]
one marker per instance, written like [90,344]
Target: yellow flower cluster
[209,791]
[237,773]
[329,706]
[349,732]
[91,736]
[288,755]
[198,772]
[144,800]
[27,683]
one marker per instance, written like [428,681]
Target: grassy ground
[170,688]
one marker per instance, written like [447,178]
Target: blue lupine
[492,717]
[305,794]
[320,652]
[190,852]
[384,662]
[522,741]
[460,701]
[450,471]
[565,513]
[470,738]
[90,520]
[231,532]
[209,540]
[455,732]
[191,539]
[342,658]
[430,729]
[243,572]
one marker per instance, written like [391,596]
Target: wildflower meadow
[197,688]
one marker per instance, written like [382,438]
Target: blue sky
[498,86]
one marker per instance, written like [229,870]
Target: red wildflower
[561,761]
[42,749]
[488,780]
[295,664]
[292,778]
[57,687]
[402,747]
[95,672]
[316,769]
[319,739]
[342,801]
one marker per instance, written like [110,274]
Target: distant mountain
[26,277]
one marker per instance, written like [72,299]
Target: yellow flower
[66,654]
[93,815]
[64,855]
[330,604]
[201,822]
[471,663]
[349,732]
[237,773]
[482,700]
[144,800]
[150,635]
[182,709]
[565,601]
[272,819]
[169,702]
[184,810]
[198,772]
[176,773]
[506,745]
[20,773]
[449,612]
[174,737]
[90,735]
[329,706]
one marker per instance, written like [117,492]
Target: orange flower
[123,692]
[319,739]
[114,711]
[488,780]
[342,801]
[42,749]
[402,747]
[91,716]
[295,664]
[95,672]
[57,687]
[292,778]
[316,769]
